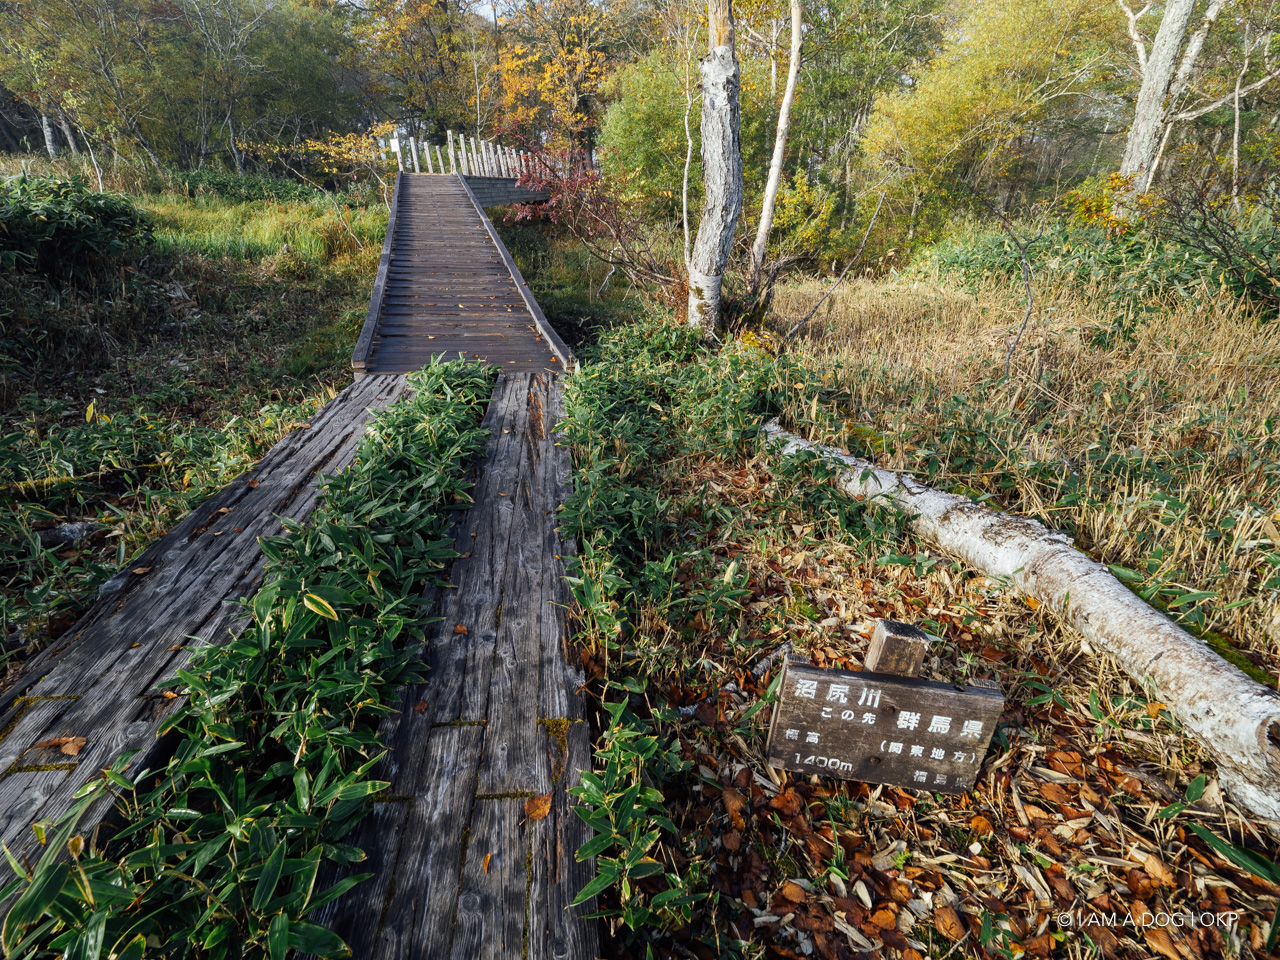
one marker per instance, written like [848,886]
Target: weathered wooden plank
[513,760]
[361,352]
[417,913]
[557,931]
[558,345]
[444,254]
[100,683]
[490,919]
[561,672]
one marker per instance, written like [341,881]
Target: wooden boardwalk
[461,870]
[447,286]
[102,680]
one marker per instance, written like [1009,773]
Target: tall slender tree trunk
[779,149]
[721,169]
[1164,80]
[50,137]
[68,133]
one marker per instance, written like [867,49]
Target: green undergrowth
[127,472]
[660,592]
[1141,265]
[221,846]
[60,229]
[1183,513]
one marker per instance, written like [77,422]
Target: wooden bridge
[460,870]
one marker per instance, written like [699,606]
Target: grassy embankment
[129,396]
[1141,424]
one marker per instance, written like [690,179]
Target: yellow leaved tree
[558,56]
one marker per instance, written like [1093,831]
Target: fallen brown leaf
[141,570]
[71,746]
[460,629]
[981,825]
[793,891]
[254,484]
[948,923]
[537,808]
[734,804]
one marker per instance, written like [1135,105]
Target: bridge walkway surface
[447,286]
[460,867]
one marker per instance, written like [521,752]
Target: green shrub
[247,188]
[61,230]
[1169,258]
[221,848]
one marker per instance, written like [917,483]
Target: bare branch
[856,257]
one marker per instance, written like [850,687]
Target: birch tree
[1168,69]
[770,200]
[721,169]
[1158,68]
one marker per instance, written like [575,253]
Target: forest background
[944,107]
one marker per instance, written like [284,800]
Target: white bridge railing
[479,158]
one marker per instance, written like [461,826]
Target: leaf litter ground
[1060,850]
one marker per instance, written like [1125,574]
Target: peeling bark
[721,169]
[1149,112]
[1236,718]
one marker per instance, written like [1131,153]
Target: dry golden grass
[1166,437]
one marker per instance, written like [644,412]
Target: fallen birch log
[1236,718]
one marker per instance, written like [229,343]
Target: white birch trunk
[69,134]
[721,170]
[779,148]
[50,138]
[1236,718]
[1149,112]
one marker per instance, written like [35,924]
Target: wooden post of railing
[439,158]
[475,170]
[426,149]
[413,150]
[468,158]
[488,159]
[453,163]
[395,148]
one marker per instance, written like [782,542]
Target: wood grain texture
[360,354]
[104,680]
[880,728]
[461,871]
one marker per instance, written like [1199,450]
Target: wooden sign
[881,728]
